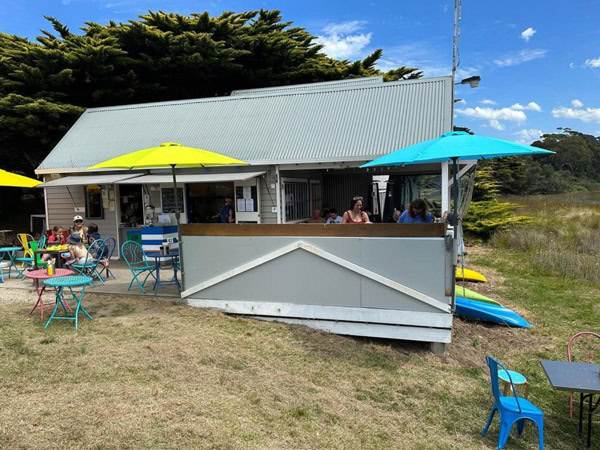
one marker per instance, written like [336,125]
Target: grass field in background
[144,374]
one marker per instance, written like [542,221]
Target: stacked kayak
[474,305]
[472,295]
[490,313]
[469,275]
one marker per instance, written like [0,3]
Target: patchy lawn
[144,374]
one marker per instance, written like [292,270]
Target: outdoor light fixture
[471,81]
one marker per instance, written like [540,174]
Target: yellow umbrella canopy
[13,180]
[168,154]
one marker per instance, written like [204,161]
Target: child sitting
[56,238]
[94,235]
[77,251]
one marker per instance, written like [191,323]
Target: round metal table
[42,274]
[59,284]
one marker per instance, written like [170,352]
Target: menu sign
[168,200]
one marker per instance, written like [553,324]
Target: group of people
[79,236]
[415,213]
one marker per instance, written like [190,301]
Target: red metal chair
[586,342]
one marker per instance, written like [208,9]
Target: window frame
[306,183]
[87,204]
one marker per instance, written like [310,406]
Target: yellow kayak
[469,275]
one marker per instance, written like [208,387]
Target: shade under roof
[89,179]
[192,178]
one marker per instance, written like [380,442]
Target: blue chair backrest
[95,251]
[493,365]
[133,254]
[42,241]
[109,247]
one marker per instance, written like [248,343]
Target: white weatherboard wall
[61,210]
[380,287]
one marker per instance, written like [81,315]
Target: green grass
[145,374]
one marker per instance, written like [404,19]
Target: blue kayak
[491,313]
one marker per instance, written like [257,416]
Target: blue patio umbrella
[451,147]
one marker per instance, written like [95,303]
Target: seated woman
[416,213]
[355,215]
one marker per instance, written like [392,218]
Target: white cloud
[572,65]
[531,106]
[462,101]
[592,63]
[528,34]
[528,135]
[487,101]
[339,43]
[512,59]
[424,55]
[344,27]
[493,115]
[583,114]
[496,125]
[576,103]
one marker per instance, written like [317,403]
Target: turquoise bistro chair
[90,266]
[134,256]
[511,408]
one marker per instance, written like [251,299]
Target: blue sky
[539,60]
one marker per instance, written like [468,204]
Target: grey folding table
[576,377]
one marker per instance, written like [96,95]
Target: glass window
[93,202]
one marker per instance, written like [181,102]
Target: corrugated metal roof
[358,123]
[310,86]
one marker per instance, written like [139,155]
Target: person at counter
[333,216]
[416,213]
[79,228]
[316,217]
[226,212]
[355,215]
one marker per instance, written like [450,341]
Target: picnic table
[173,255]
[54,251]
[576,377]
[42,274]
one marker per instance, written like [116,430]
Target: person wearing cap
[77,251]
[80,229]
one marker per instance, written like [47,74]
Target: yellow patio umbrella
[170,154]
[9,179]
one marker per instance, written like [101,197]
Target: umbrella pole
[454,223]
[178,217]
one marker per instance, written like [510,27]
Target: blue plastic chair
[511,409]
[109,248]
[136,260]
[90,266]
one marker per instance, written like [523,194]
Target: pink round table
[41,274]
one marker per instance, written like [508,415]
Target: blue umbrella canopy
[455,145]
